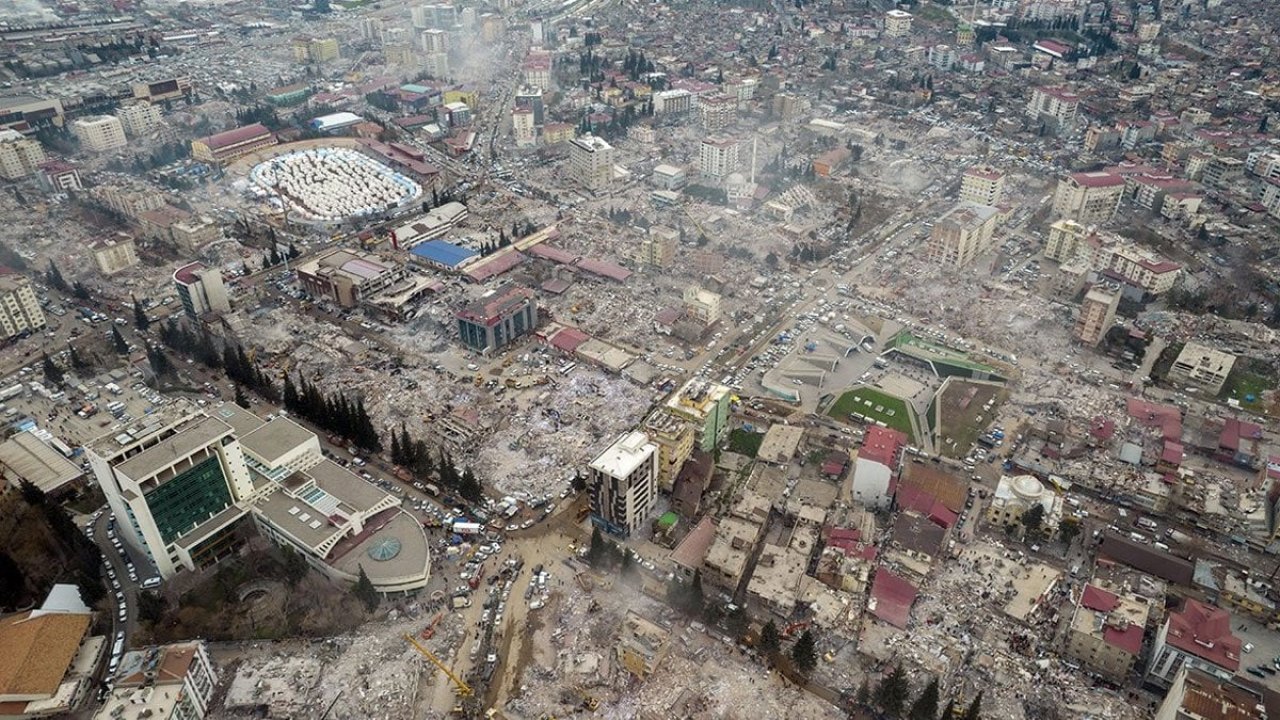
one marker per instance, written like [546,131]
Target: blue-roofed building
[441,254]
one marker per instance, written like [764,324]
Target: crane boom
[464,690]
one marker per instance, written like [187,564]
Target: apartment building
[19,308]
[672,102]
[20,155]
[875,472]
[1199,695]
[1097,314]
[99,133]
[1221,171]
[498,319]
[1106,630]
[1196,635]
[114,254]
[139,118]
[623,482]
[1143,269]
[168,681]
[961,235]
[200,290]
[315,50]
[1067,238]
[1263,164]
[897,23]
[706,405]
[128,200]
[674,437]
[1202,367]
[1089,198]
[658,247]
[523,128]
[982,185]
[1271,198]
[536,71]
[1055,106]
[642,645]
[434,40]
[717,112]
[591,162]
[702,305]
[348,276]
[717,158]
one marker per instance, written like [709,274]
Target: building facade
[19,308]
[1198,635]
[348,276]
[114,254]
[591,162]
[717,158]
[1202,367]
[226,147]
[897,23]
[1089,198]
[964,233]
[1106,631]
[20,155]
[982,185]
[99,133]
[498,319]
[623,482]
[139,118]
[1097,313]
[1055,106]
[175,682]
[706,404]
[201,290]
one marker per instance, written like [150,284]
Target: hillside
[44,547]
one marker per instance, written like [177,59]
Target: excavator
[430,630]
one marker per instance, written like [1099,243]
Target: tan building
[130,201]
[658,246]
[315,50]
[19,308]
[982,185]
[20,156]
[1097,313]
[674,437]
[193,232]
[139,118]
[114,254]
[553,133]
[99,133]
[1199,695]
[49,657]
[591,162]
[1144,269]
[347,276]
[642,645]
[1202,367]
[523,128]
[702,304]
[1106,631]
[717,112]
[1066,239]
[225,147]
[897,23]
[1089,198]
[964,233]
[1055,105]
[1017,494]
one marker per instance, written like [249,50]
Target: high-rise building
[371,29]
[964,233]
[20,156]
[139,118]
[717,158]
[315,50]
[201,290]
[99,133]
[113,254]
[528,98]
[1066,239]
[170,681]
[434,15]
[982,185]
[591,162]
[1097,313]
[498,319]
[674,436]
[717,111]
[523,128]
[1089,198]
[19,308]
[435,40]
[706,405]
[1055,106]
[658,246]
[672,102]
[897,23]
[623,482]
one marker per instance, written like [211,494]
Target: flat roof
[780,443]
[443,252]
[625,454]
[200,432]
[346,485]
[240,420]
[413,559]
[274,439]
[32,460]
[295,518]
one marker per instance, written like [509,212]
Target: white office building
[624,484]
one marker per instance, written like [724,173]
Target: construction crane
[462,689]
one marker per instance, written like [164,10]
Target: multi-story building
[371,29]
[315,50]
[19,155]
[706,405]
[1143,269]
[1221,171]
[192,232]
[128,200]
[674,436]
[169,681]
[1066,239]
[1106,630]
[875,472]
[669,177]
[19,308]
[591,162]
[348,276]
[1196,635]
[1271,198]
[1089,198]
[982,185]
[436,64]
[717,158]
[1203,367]
[434,15]
[897,23]
[139,118]
[964,233]
[498,319]
[531,99]
[553,133]
[226,147]
[1097,313]
[1055,106]
[1199,695]
[623,482]
[1015,495]
[702,305]
[200,290]
[1264,164]
[99,133]
[536,70]
[717,112]
[50,657]
[435,224]
[114,254]
[434,40]
[642,645]
[672,102]
[523,127]
[658,246]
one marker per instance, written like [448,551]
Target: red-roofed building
[875,472]
[1154,415]
[891,598]
[1238,442]
[225,147]
[1106,631]
[1170,457]
[1196,632]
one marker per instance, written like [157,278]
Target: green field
[745,443]
[1242,383]
[885,408]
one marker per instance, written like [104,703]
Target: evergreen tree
[805,653]
[241,399]
[54,276]
[891,695]
[77,362]
[365,592]
[31,493]
[469,487]
[79,290]
[140,316]
[863,698]
[975,708]
[736,621]
[949,712]
[770,638]
[117,339]
[926,706]
[397,455]
[12,582]
[596,550]
[151,607]
[52,373]
[160,364]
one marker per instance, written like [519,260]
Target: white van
[150,582]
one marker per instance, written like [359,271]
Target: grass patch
[1244,381]
[745,443]
[883,408]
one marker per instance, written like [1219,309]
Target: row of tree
[891,695]
[334,413]
[414,456]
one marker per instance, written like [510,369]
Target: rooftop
[38,650]
[625,455]
[275,439]
[891,598]
[497,304]
[443,252]
[236,136]
[1205,631]
[198,433]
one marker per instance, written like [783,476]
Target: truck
[11,392]
[113,388]
[467,528]
[1177,536]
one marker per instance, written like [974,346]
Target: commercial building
[669,177]
[39,458]
[315,50]
[226,147]
[19,155]
[1097,313]
[964,233]
[717,112]
[201,290]
[706,404]
[1199,695]
[49,657]
[348,276]
[435,224]
[641,646]
[531,99]
[19,308]
[591,162]
[1196,635]
[1089,198]
[168,681]
[1057,107]
[1106,630]
[99,133]
[897,23]
[498,318]
[114,254]
[1015,495]
[982,185]
[139,118]
[875,472]
[717,157]
[1202,367]
[623,482]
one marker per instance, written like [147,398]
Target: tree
[54,276]
[863,698]
[79,290]
[950,711]
[241,399]
[117,339]
[1033,520]
[596,550]
[770,638]
[140,316]
[469,487]
[160,363]
[926,706]
[975,708]
[805,653]
[891,695]
[736,621]
[77,362]
[295,566]
[1068,530]
[151,606]
[31,493]
[52,372]
[12,582]
[365,592]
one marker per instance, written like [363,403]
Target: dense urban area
[538,359]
